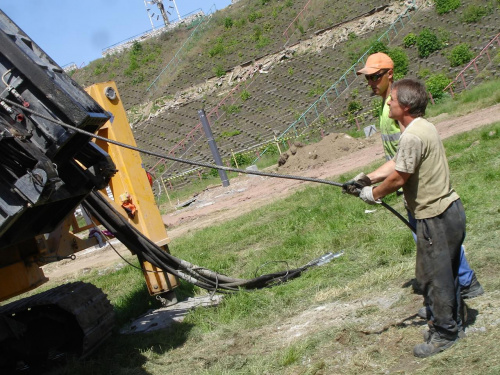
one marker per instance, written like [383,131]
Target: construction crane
[161,8]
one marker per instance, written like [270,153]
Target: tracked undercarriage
[72,319]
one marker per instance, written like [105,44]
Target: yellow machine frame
[131,182]
[20,266]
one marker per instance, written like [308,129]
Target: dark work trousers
[438,257]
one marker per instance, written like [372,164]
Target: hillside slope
[254,77]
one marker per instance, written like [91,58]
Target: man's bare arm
[391,184]
[382,172]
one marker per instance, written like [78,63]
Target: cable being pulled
[173,158]
[197,163]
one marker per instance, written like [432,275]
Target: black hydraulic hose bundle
[135,241]
[142,246]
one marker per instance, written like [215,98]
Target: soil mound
[330,148]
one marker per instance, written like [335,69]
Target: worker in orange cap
[379,73]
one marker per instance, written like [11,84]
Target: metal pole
[150,20]
[213,146]
[177,10]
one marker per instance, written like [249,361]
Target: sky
[76,31]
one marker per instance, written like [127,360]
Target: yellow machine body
[20,265]
[131,182]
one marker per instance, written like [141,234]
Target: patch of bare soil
[332,156]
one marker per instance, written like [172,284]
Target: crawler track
[72,319]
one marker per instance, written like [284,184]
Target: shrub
[252,17]
[354,106]
[240,23]
[136,48]
[229,133]
[230,109]
[138,78]
[219,71]
[445,6]
[257,33]
[100,68]
[409,40]
[473,13]
[214,172]
[401,62]
[318,89]
[352,36]
[376,105]
[272,149]
[427,42]
[460,55]
[218,49]
[262,42]
[435,85]
[443,35]
[241,159]
[228,22]
[245,95]
[423,73]
[378,46]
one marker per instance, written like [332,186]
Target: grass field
[355,315]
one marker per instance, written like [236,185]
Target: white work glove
[354,186]
[366,195]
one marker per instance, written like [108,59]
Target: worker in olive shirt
[379,72]
[421,169]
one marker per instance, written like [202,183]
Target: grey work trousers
[438,257]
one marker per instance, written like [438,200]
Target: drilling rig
[49,165]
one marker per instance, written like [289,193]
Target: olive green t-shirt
[428,191]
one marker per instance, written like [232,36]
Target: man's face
[380,81]
[396,111]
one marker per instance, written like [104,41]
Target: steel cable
[140,244]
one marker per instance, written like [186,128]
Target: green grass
[239,336]
[481,96]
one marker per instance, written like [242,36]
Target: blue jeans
[465,273]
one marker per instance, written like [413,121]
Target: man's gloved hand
[355,185]
[366,195]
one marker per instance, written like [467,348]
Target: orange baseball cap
[376,62]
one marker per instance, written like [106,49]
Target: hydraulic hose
[135,241]
[204,278]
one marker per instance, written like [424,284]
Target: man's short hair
[413,94]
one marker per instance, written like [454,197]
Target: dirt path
[333,156]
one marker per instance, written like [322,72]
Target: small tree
[409,40]
[436,83]
[460,55]
[427,42]
[446,6]
[228,22]
[401,62]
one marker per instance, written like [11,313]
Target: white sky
[72,31]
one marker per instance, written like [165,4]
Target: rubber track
[87,303]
